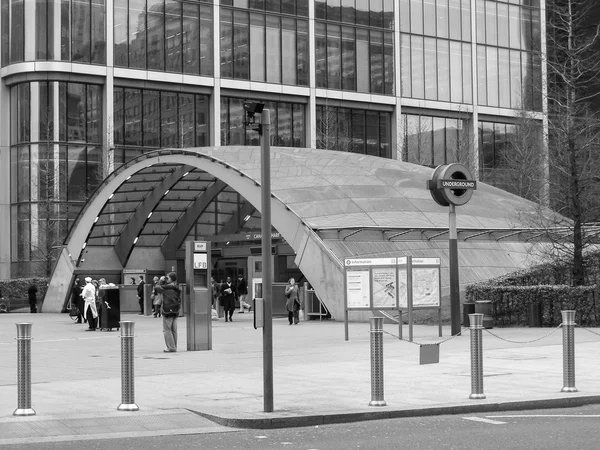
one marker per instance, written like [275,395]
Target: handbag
[74,311]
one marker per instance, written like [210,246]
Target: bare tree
[573,156]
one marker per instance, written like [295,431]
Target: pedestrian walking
[76,300]
[32,293]
[140,295]
[88,294]
[228,291]
[292,304]
[171,296]
[156,298]
[242,291]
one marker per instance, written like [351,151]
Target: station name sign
[457,184]
[257,236]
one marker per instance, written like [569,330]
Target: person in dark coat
[292,303]
[32,292]
[76,299]
[242,291]
[228,299]
[140,294]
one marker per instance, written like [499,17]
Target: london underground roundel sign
[452,184]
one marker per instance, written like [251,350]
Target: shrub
[16,289]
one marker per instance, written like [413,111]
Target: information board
[200,261]
[358,288]
[402,287]
[426,282]
[384,287]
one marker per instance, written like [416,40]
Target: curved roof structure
[326,204]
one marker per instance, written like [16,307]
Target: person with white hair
[89,309]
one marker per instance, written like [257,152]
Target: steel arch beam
[185,223]
[125,241]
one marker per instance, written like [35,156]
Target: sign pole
[266,260]
[454,282]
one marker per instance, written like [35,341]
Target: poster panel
[200,261]
[384,287]
[358,288]
[426,286]
[402,287]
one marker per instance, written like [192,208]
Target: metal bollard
[127,372]
[377,362]
[568,326]
[24,370]
[476,322]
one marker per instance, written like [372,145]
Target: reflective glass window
[17,31]
[348,59]
[454,16]
[439,140]
[405,16]
[186,117]
[348,11]
[190,38]
[321,54]
[118,116]
[303,53]
[363,81]
[514,23]
[429,17]
[137,34]
[202,120]
[358,130]
[467,74]
[151,118]
[376,53]
[168,120]
[480,20]
[298,122]
[334,10]
[241,38]
[65,30]
[288,54]
[481,75]
[173,35]
[504,78]
[273,49]
[257,47]
[334,61]
[515,79]
[376,13]
[442,19]
[120,35]
[388,14]
[492,76]
[98,32]
[418,67]
[81,30]
[226,43]
[156,34]
[362,12]
[388,63]
[486,137]
[456,82]
[206,40]
[132,117]
[431,88]
[466,20]
[443,70]
[526,28]
[503,28]
[405,67]
[491,24]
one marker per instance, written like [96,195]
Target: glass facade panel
[363,82]
[273,49]
[155,41]
[17,31]
[354,130]
[287,123]
[137,34]
[289,58]
[257,47]
[443,67]
[241,37]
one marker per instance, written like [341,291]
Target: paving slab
[318,377]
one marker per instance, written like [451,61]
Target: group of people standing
[88,301]
[224,295]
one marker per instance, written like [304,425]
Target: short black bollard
[24,370]
[568,326]
[476,321]
[377,362]
[127,369]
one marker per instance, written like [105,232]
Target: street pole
[454,282]
[267,281]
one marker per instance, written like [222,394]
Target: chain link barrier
[523,342]
[587,329]
[428,343]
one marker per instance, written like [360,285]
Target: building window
[354,130]
[164,35]
[432,141]
[264,47]
[287,128]
[56,163]
[147,119]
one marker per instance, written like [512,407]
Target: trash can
[468,308]
[485,307]
[534,314]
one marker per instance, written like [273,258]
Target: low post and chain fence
[476,329]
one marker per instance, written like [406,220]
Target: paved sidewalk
[319,377]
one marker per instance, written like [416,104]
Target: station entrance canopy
[327,205]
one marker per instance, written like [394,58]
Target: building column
[545,188]
[215,99]
[311,108]
[474,122]
[5,222]
[397,142]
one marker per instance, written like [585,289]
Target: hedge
[16,290]
[510,303]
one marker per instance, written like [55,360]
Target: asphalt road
[572,429]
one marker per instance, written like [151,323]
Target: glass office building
[89,84]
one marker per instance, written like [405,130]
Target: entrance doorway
[230,267]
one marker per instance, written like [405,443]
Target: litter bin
[468,308]
[485,307]
[534,314]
